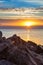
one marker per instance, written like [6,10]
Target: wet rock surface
[15,51]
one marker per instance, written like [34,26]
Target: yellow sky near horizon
[22,22]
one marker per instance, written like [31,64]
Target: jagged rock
[4,62]
[41,47]
[17,40]
[31,45]
[0,36]
[25,57]
[34,47]
[20,52]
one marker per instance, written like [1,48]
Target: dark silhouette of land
[21,27]
[16,51]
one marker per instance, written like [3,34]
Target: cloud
[2,1]
[33,1]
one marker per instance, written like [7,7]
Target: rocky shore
[16,51]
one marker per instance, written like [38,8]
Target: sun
[29,23]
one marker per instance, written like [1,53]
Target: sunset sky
[22,17]
[22,22]
[31,17]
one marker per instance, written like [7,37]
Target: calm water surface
[35,35]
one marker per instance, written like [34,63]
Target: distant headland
[21,27]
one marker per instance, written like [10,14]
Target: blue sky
[20,3]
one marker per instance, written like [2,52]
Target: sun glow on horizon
[29,23]
[22,22]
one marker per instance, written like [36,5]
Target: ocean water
[35,35]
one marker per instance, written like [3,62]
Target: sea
[35,35]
